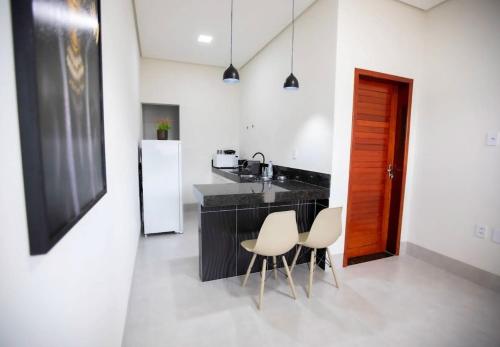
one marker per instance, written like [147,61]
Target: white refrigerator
[161,186]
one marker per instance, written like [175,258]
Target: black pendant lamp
[291,82]
[231,75]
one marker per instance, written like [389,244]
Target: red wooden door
[372,150]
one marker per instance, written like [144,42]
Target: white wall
[77,294]
[457,177]
[384,36]
[284,121]
[209,113]
[452,53]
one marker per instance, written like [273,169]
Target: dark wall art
[57,47]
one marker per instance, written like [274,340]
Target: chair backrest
[326,228]
[278,234]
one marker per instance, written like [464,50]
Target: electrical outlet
[495,235]
[492,139]
[481,231]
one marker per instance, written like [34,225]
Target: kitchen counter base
[221,229]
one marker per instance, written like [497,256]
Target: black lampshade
[231,75]
[291,82]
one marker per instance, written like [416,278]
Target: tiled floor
[397,301]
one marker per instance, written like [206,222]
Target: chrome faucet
[263,165]
[262,154]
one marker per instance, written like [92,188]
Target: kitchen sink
[246,175]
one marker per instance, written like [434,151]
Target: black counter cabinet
[233,212]
[221,230]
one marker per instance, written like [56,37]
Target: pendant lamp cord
[231,53]
[293,28]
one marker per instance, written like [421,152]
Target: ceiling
[423,4]
[168,29]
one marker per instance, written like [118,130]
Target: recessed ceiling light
[205,39]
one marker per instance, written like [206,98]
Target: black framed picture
[57,46]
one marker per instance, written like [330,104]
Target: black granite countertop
[248,193]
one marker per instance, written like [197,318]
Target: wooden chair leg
[290,279]
[275,268]
[331,265]
[295,258]
[262,281]
[311,271]
[249,270]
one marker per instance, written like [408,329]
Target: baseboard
[481,277]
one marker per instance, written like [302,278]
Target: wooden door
[372,153]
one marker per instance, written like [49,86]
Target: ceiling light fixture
[291,82]
[205,38]
[231,75]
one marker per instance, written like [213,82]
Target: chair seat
[249,245]
[303,238]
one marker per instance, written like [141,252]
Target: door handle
[390,171]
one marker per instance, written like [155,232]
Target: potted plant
[162,129]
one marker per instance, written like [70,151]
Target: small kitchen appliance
[223,160]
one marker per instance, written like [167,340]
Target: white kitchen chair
[325,230]
[278,235]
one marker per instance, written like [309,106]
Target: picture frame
[58,64]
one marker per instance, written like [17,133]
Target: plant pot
[162,134]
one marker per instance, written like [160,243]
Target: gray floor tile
[397,301]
